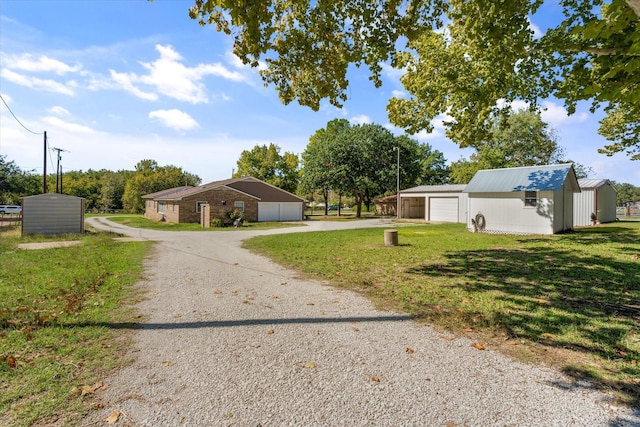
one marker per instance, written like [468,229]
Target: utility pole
[59,170]
[44,174]
[398,183]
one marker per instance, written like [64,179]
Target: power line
[17,120]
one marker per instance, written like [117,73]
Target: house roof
[593,183]
[167,192]
[528,178]
[251,186]
[448,188]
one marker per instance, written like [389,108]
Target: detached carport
[441,203]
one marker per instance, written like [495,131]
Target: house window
[162,206]
[239,205]
[531,198]
[199,205]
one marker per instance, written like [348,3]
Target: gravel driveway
[234,340]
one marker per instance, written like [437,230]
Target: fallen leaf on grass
[113,418]
[12,362]
[477,346]
[409,350]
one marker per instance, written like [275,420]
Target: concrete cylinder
[391,237]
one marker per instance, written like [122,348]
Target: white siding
[274,211]
[443,209]
[583,206]
[601,201]
[506,213]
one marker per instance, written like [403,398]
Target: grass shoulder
[59,309]
[569,301]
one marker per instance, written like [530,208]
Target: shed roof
[52,196]
[527,178]
[593,183]
[447,188]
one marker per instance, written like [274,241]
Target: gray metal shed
[52,213]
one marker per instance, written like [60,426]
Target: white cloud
[58,111]
[170,77]
[36,83]
[537,32]
[391,72]
[126,82]
[26,62]
[398,93]
[174,119]
[550,112]
[360,119]
[555,114]
[68,126]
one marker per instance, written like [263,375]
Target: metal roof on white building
[592,183]
[528,178]
[446,188]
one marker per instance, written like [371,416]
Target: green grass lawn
[571,301]
[139,221]
[57,309]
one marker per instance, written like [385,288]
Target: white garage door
[443,209]
[271,211]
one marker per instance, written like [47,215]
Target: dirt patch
[48,245]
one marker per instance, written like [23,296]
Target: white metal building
[525,200]
[597,200]
[435,203]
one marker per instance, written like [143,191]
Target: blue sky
[117,81]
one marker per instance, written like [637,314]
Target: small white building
[596,202]
[524,200]
[439,203]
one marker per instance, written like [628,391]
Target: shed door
[273,211]
[443,209]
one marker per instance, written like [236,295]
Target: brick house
[258,200]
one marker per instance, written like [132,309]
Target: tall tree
[149,178]
[266,163]
[359,161]
[522,139]
[487,53]
[319,160]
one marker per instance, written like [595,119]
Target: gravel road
[231,339]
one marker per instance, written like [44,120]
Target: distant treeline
[103,190]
